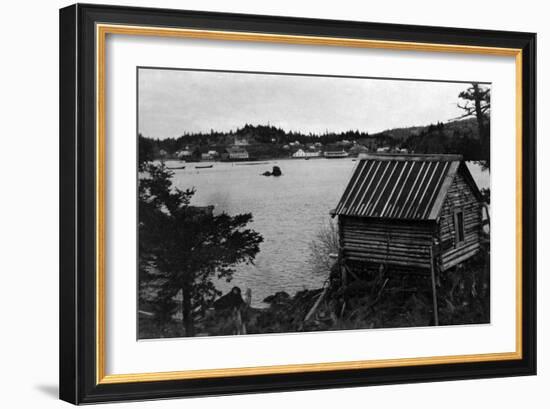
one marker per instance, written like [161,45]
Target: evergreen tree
[477,104]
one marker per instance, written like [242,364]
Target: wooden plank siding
[397,210]
[387,242]
[460,197]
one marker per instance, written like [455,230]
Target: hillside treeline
[456,137]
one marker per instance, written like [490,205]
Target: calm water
[288,211]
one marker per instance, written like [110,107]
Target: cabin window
[459,226]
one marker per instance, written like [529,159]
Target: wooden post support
[434,289]
[344,275]
[317,303]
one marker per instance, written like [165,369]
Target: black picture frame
[78,313]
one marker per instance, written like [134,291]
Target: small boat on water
[204,166]
[252,163]
[176,168]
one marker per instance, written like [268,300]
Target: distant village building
[300,153]
[358,149]
[207,153]
[334,153]
[241,141]
[237,153]
[410,213]
[185,153]
[370,142]
[384,149]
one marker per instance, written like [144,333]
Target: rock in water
[275,172]
[277,298]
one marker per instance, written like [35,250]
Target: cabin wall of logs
[460,198]
[386,242]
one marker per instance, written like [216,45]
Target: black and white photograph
[282,203]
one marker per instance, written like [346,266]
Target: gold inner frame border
[102,30]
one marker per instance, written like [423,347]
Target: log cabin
[409,213]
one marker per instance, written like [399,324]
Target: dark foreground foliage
[372,300]
[183,249]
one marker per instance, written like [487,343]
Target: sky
[174,102]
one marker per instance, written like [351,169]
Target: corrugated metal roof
[398,186]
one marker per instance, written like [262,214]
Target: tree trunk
[479,113]
[187,316]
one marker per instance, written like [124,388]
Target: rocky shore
[376,300]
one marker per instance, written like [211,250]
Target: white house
[185,153]
[237,153]
[300,153]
